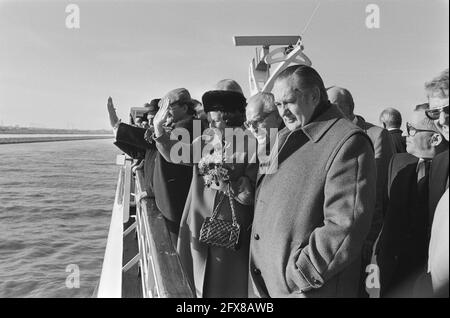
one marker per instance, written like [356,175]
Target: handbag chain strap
[230,197]
[229,194]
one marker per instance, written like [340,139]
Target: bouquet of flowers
[214,169]
[216,174]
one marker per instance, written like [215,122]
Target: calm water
[46,135]
[55,207]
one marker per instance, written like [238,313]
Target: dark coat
[130,139]
[398,141]
[383,147]
[402,250]
[172,182]
[313,214]
[169,182]
[438,181]
[438,184]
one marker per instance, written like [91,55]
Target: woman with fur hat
[213,270]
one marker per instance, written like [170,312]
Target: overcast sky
[55,77]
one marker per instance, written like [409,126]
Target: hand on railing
[137,165]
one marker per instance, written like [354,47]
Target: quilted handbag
[221,233]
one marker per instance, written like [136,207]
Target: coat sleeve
[132,151]
[387,194]
[133,136]
[383,155]
[349,199]
[245,191]
[175,151]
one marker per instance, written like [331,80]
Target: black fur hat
[224,101]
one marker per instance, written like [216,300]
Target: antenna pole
[310,19]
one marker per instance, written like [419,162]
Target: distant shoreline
[29,130]
[19,140]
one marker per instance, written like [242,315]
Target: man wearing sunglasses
[403,246]
[438,263]
[440,116]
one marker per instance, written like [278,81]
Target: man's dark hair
[391,118]
[308,77]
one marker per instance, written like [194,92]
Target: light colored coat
[214,271]
[313,215]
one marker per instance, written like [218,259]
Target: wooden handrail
[166,276]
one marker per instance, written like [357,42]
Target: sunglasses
[434,113]
[412,131]
[254,124]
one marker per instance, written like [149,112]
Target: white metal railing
[110,285]
[160,268]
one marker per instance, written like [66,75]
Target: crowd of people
[324,195]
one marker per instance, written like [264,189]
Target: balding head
[342,98]
[262,102]
[391,118]
[229,85]
[262,115]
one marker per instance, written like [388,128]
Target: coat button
[256,271]
[256,236]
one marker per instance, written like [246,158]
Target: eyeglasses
[412,131]
[254,124]
[434,113]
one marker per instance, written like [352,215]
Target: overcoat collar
[320,125]
[313,130]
